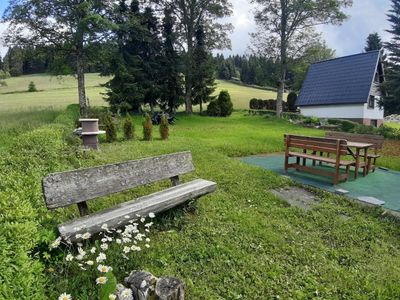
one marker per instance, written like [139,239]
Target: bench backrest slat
[66,188]
[376,140]
[326,145]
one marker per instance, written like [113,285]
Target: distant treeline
[25,60]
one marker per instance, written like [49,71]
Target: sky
[365,16]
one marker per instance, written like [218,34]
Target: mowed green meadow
[58,92]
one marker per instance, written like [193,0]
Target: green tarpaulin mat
[382,184]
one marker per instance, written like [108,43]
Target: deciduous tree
[73,27]
[285,27]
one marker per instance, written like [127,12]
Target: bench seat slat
[321,158]
[120,215]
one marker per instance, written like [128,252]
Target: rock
[170,288]
[142,284]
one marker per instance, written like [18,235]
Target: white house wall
[349,111]
[373,113]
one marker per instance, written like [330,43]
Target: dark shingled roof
[342,80]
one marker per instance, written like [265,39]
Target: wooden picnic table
[357,154]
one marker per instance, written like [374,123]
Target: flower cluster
[131,238]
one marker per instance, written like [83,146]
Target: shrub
[225,103]
[253,103]
[291,101]
[389,132]
[164,127]
[147,128]
[111,129]
[32,87]
[129,128]
[213,109]
[260,104]
[222,107]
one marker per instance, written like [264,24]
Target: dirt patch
[296,196]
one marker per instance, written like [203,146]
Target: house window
[371,102]
[376,79]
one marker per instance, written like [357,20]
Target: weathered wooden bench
[78,186]
[336,147]
[376,140]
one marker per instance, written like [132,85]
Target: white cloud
[366,16]
[3,48]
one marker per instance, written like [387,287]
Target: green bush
[253,104]
[291,101]
[164,127]
[129,129]
[111,129]
[389,132]
[225,103]
[213,109]
[222,107]
[147,128]
[32,87]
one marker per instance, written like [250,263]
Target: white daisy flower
[104,246]
[78,236]
[142,220]
[90,262]
[69,257]
[135,248]
[101,280]
[65,296]
[152,215]
[118,241]
[126,249]
[112,297]
[147,246]
[93,250]
[101,257]
[86,235]
[126,294]
[56,243]
[103,268]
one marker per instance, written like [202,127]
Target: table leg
[357,163]
[365,171]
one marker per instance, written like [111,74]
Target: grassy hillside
[58,92]
[392,124]
[241,242]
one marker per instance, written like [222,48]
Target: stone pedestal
[90,131]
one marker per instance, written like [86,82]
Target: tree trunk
[201,106]
[283,60]
[80,72]
[188,69]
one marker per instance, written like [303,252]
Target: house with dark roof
[347,87]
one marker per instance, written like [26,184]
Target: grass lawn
[240,242]
[58,92]
[392,124]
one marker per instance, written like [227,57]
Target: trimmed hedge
[269,104]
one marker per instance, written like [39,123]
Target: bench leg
[83,208]
[313,162]
[175,180]
[304,160]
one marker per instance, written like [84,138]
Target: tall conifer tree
[391,102]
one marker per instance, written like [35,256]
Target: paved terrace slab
[382,185]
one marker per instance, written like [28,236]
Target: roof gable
[342,80]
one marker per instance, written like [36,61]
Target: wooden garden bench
[336,147]
[77,186]
[376,140]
